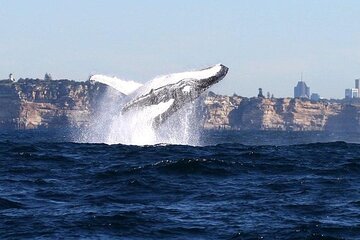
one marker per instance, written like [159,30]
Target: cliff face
[284,114]
[217,110]
[31,103]
[10,105]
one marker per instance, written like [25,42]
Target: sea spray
[109,105]
[136,127]
[133,128]
[184,127]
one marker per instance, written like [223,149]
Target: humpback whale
[165,95]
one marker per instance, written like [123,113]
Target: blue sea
[236,185]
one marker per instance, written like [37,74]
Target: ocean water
[237,185]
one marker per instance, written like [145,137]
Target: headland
[36,103]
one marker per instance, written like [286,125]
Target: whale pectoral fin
[160,119]
[124,86]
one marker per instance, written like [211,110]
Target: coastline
[35,103]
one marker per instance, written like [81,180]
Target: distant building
[260,95]
[47,77]
[301,90]
[351,93]
[315,97]
[11,77]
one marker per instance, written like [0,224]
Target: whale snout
[216,76]
[223,70]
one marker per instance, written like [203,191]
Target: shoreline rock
[35,103]
[281,114]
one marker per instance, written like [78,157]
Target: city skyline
[265,44]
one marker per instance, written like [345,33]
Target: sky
[265,44]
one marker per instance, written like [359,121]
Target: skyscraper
[301,90]
[353,92]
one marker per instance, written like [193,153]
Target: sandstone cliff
[285,114]
[34,103]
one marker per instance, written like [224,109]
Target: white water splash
[136,127]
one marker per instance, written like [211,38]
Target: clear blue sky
[265,43]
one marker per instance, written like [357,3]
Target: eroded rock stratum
[34,103]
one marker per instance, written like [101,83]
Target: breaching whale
[165,95]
